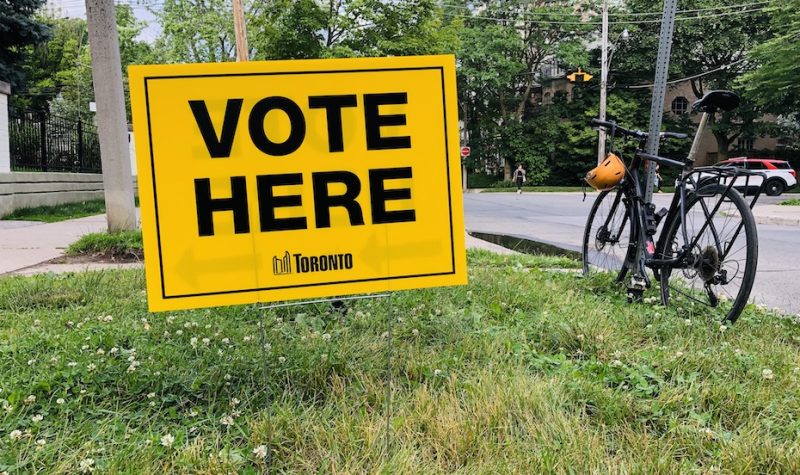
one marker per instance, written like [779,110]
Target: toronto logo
[282,265]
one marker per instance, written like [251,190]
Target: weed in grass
[525,370]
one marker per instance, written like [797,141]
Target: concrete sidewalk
[26,243]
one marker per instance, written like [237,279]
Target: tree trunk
[723,142]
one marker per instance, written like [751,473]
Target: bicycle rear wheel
[608,233]
[720,267]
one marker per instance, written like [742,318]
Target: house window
[679,105]
[745,143]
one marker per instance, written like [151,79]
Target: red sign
[465,151]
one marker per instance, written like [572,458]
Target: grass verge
[121,245]
[790,202]
[52,214]
[525,370]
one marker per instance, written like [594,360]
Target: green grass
[124,243]
[791,202]
[525,370]
[52,214]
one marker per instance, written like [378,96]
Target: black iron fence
[43,142]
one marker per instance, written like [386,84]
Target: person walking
[519,177]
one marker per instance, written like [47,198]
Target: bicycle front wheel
[608,233]
[719,265]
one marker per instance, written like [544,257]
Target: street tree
[711,42]
[774,82]
[505,43]
[19,29]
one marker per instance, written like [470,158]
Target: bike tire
[701,273]
[607,252]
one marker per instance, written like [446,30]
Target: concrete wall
[27,190]
[5,152]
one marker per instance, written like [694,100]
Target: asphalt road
[559,219]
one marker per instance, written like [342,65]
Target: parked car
[779,174]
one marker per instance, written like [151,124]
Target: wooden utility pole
[112,124]
[240,31]
[601,141]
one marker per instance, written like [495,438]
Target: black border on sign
[317,284]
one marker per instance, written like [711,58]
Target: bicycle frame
[640,212]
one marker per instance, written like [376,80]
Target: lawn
[528,369]
[52,214]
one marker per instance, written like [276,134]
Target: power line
[674,81]
[586,23]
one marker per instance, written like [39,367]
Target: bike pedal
[660,215]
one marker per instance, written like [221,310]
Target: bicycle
[707,250]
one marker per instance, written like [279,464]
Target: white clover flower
[206,341]
[247,338]
[31,362]
[146,327]
[227,377]
[151,404]
[187,325]
[687,322]
[737,351]
[234,402]
[324,356]
[91,367]
[616,363]
[60,401]
[278,319]
[326,337]
[54,360]
[70,324]
[7,407]
[113,351]
[131,369]
[767,373]
[84,347]
[100,352]
[166,334]
[226,341]
[41,442]
[679,354]
[83,391]
[37,418]
[170,318]
[86,465]
[30,399]
[108,319]
[437,372]
[193,342]
[722,328]
[220,352]
[226,420]
[179,332]
[385,335]
[192,413]
[151,395]
[649,326]
[415,332]
[281,360]
[37,322]
[15,434]
[157,373]
[260,452]
[167,440]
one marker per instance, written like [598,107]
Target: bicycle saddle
[717,100]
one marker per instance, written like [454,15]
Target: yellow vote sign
[272,181]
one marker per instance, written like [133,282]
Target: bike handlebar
[616,128]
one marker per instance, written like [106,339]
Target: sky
[77,9]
